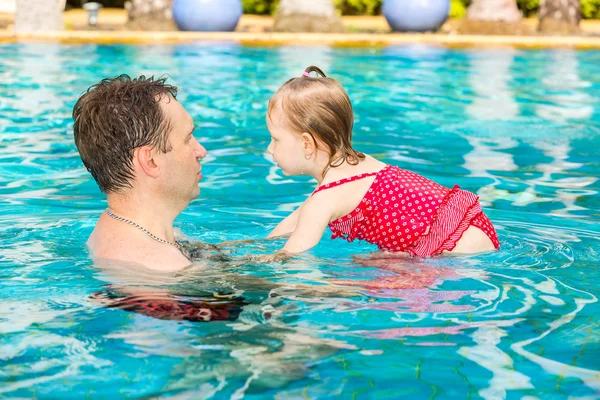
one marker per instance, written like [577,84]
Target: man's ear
[308,144]
[145,158]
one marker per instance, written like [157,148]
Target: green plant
[529,7]
[358,7]
[458,9]
[259,6]
[590,9]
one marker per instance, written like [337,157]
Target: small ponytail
[312,68]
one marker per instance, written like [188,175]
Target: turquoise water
[519,128]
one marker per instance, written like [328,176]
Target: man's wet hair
[112,119]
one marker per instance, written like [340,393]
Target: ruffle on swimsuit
[404,211]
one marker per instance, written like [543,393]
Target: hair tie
[306,74]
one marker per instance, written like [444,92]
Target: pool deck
[255,30]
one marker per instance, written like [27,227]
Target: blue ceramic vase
[207,15]
[415,15]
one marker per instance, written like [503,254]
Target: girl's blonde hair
[320,107]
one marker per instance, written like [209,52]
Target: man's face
[180,167]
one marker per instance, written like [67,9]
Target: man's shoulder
[133,248]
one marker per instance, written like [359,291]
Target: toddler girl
[310,120]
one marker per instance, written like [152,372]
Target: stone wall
[560,16]
[494,10]
[151,15]
[307,16]
[39,15]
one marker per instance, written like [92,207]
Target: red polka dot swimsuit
[403,211]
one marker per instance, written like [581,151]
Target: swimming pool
[520,128]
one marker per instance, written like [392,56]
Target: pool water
[519,128]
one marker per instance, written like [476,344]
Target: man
[137,141]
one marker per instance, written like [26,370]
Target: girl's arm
[312,221]
[288,225]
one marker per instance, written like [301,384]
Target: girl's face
[286,147]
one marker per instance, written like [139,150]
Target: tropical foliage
[345,7]
[260,6]
[590,9]
[458,8]
[358,7]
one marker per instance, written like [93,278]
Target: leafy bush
[590,9]
[529,7]
[260,6]
[358,7]
[105,3]
[458,9]
[346,7]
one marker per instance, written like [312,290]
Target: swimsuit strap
[345,180]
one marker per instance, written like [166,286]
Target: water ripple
[519,128]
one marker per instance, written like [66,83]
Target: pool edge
[278,39]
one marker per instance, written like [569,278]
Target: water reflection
[292,61]
[564,89]
[490,79]
[521,322]
[567,103]
[495,141]
[493,100]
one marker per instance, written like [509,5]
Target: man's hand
[281,256]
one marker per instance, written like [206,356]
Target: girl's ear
[144,157]
[308,144]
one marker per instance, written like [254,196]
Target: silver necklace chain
[127,221]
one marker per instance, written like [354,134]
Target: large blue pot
[415,15]
[207,15]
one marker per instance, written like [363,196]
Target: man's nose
[270,148]
[200,151]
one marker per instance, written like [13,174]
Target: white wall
[8,6]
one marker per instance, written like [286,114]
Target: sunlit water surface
[519,128]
